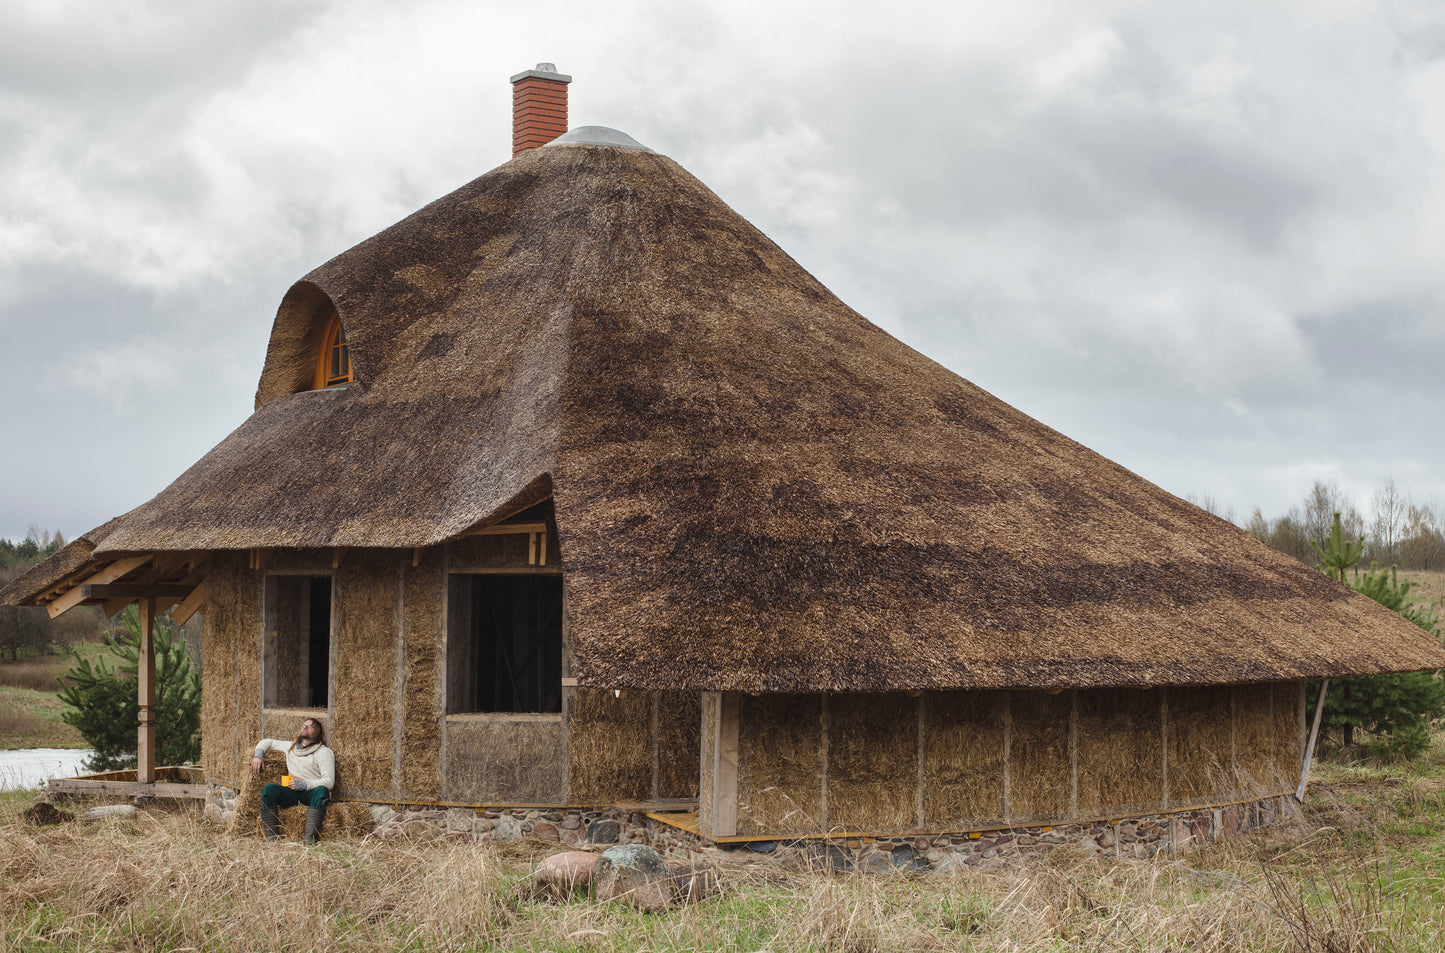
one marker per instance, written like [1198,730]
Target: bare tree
[1387,519]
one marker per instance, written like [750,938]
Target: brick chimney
[539,107]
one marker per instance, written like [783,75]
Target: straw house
[573,488]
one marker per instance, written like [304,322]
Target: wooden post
[146,694]
[1304,779]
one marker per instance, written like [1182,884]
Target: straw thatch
[755,489]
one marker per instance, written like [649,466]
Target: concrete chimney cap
[597,136]
[543,71]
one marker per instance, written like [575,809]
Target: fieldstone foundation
[1135,837]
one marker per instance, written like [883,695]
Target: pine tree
[104,707]
[1337,554]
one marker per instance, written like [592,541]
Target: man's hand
[255,765]
[297,784]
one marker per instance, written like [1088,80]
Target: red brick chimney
[539,107]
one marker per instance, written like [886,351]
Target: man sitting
[312,767]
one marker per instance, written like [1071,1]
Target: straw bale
[678,720]
[1039,769]
[873,762]
[363,672]
[610,746]
[285,723]
[1287,707]
[507,550]
[220,647]
[1201,742]
[780,764]
[249,605]
[963,759]
[1254,744]
[725,440]
[1121,752]
[423,658]
[502,759]
[342,818]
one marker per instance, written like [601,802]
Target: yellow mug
[285,780]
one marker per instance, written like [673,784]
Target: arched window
[333,364]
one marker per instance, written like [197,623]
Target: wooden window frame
[332,340]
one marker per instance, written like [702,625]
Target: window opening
[296,666]
[504,643]
[333,365]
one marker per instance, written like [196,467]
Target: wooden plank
[190,605]
[125,788]
[110,573]
[508,528]
[111,606]
[135,591]
[146,695]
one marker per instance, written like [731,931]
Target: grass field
[1362,869]
[29,707]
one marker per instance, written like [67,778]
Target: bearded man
[312,767]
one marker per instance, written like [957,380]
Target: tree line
[29,630]
[1397,530]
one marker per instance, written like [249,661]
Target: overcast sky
[1206,239]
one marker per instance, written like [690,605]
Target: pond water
[25,768]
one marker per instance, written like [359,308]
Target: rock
[380,814]
[634,874]
[546,831]
[43,813]
[570,836]
[552,816]
[506,829]
[921,843]
[1106,838]
[418,829]
[949,865]
[109,811]
[460,819]
[876,862]
[212,813]
[909,859]
[602,831]
[829,857]
[691,881]
[562,876]
[1088,844]
[1027,840]
[571,822]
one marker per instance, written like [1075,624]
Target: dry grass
[167,882]
[31,719]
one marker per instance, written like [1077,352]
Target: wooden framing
[146,691]
[720,763]
[333,359]
[109,574]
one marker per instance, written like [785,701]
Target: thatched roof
[754,487]
[75,557]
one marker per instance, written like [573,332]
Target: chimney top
[543,71]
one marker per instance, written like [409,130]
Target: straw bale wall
[285,723]
[966,761]
[963,758]
[1200,733]
[505,759]
[873,762]
[1040,763]
[676,747]
[610,746]
[367,592]
[1120,752]
[221,637]
[780,772]
[423,673]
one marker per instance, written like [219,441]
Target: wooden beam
[112,606]
[1304,778]
[145,762]
[336,558]
[132,590]
[500,529]
[167,563]
[110,573]
[190,605]
[125,788]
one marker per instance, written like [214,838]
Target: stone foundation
[1136,837]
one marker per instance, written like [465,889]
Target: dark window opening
[504,644]
[296,665]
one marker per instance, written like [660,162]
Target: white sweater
[315,765]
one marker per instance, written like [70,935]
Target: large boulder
[635,874]
[565,875]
